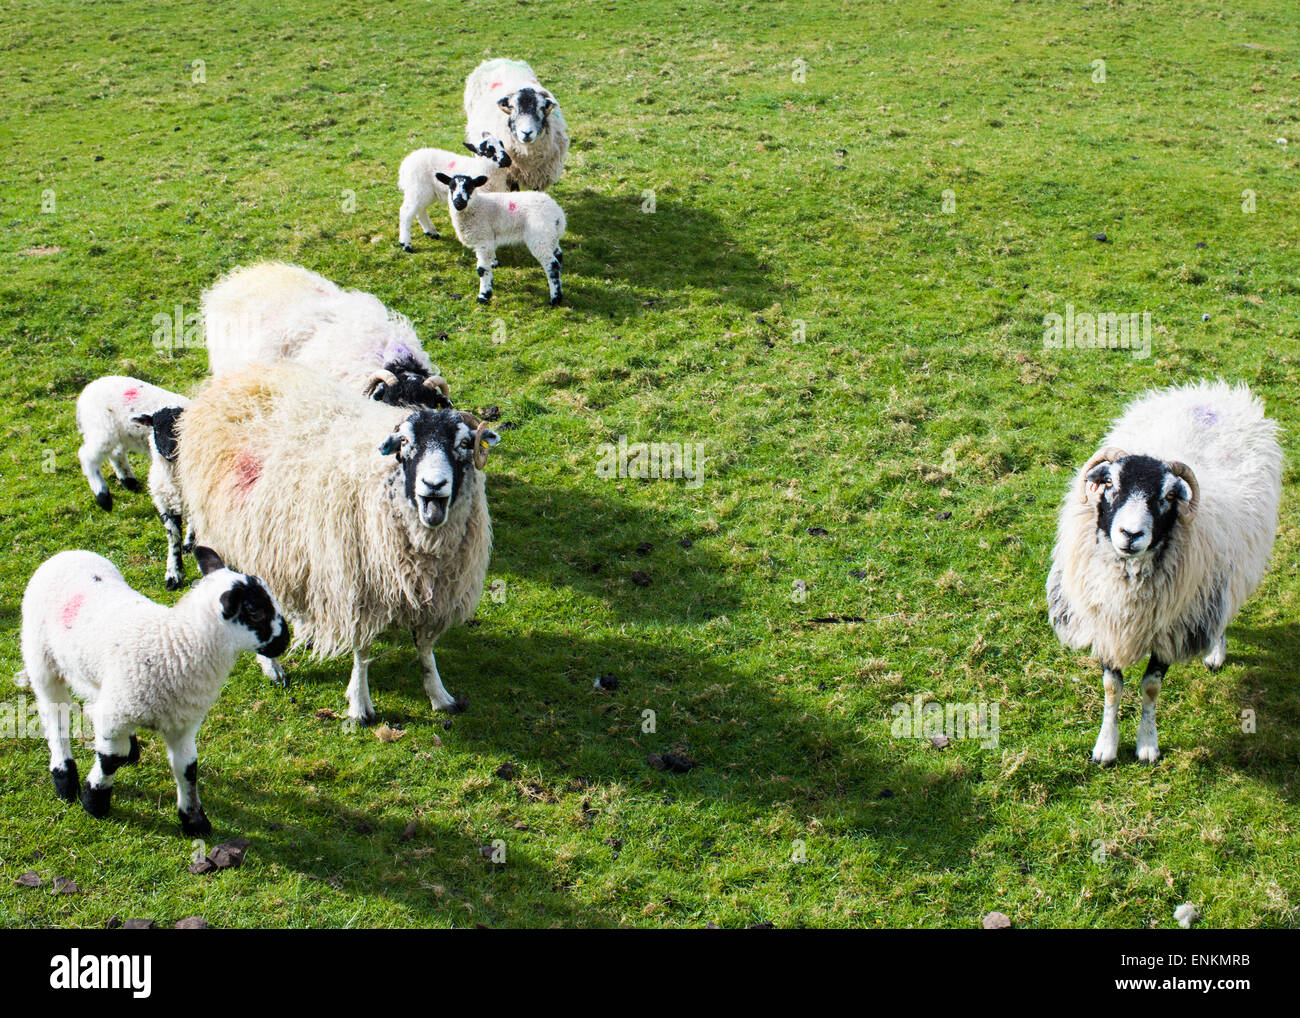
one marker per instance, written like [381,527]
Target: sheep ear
[1098,474]
[230,601]
[209,561]
[472,148]
[391,444]
[504,103]
[144,419]
[442,178]
[478,182]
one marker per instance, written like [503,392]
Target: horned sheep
[1164,534]
[505,99]
[361,517]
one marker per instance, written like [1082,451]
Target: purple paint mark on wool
[397,351]
[1205,415]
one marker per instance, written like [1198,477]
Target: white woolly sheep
[1164,533]
[485,221]
[117,416]
[273,311]
[504,99]
[417,177]
[136,664]
[287,475]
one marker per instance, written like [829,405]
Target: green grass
[921,387]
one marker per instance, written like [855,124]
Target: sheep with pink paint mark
[417,176]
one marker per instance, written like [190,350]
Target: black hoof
[460,706]
[435,234]
[66,781]
[173,583]
[130,483]
[368,720]
[187,547]
[96,801]
[408,249]
[556,300]
[104,499]
[133,754]
[485,298]
[195,823]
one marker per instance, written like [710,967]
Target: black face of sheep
[163,423]
[491,148]
[459,188]
[435,449]
[528,111]
[1140,500]
[397,385]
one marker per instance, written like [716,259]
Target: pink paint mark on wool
[451,165]
[514,207]
[248,471]
[131,396]
[496,85]
[71,609]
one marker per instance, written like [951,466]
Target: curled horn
[439,383]
[480,450]
[380,375]
[1180,469]
[1109,454]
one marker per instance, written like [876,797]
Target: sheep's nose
[1131,535]
[438,490]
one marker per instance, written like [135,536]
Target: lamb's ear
[442,178]
[208,560]
[472,148]
[145,419]
[477,182]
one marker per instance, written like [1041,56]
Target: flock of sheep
[1163,534]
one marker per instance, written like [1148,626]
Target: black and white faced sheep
[1164,534]
[136,664]
[274,311]
[487,221]
[362,517]
[417,178]
[504,99]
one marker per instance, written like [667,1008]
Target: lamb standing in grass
[106,417]
[486,221]
[417,177]
[504,99]
[136,664]
[1164,534]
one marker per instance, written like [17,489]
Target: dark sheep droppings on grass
[818,531]
[886,793]
[1201,243]
[641,579]
[62,885]
[138,924]
[492,413]
[364,828]
[685,542]
[766,924]
[194,922]
[945,515]
[114,923]
[859,574]
[1099,237]
[644,548]
[408,832]
[607,682]
[29,879]
[670,762]
[506,771]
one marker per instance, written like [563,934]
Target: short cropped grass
[819,238]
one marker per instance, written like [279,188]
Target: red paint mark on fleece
[130,396]
[451,165]
[71,609]
[514,207]
[248,470]
[496,85]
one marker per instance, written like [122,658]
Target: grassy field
[819,238]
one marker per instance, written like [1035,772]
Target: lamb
[1164,534]
[136,664]
[273,311]
[288,475]
[485,221]
[504,99]
[420,188]
[117,416]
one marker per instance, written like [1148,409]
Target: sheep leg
[183,755]
[190,539]
[407,216]
[426,224]
[55,708]
[1148,748]
[1107,747]
[92,465]
[273,670]
[122,468]
[360,707]
[433,687]
[552,262]
[112,750]
[485,257]
[175,555]
[1218,654]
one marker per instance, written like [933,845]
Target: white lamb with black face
[504,99]
[117,416]
[421,188]
[486,221]
[1164,534]
[362,518]
[136,664]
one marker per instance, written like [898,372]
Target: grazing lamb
[272,311]
[1164,534]
[136,664]
[486,221]
[504,99]
[421,188]
[288,474]
[106,412]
